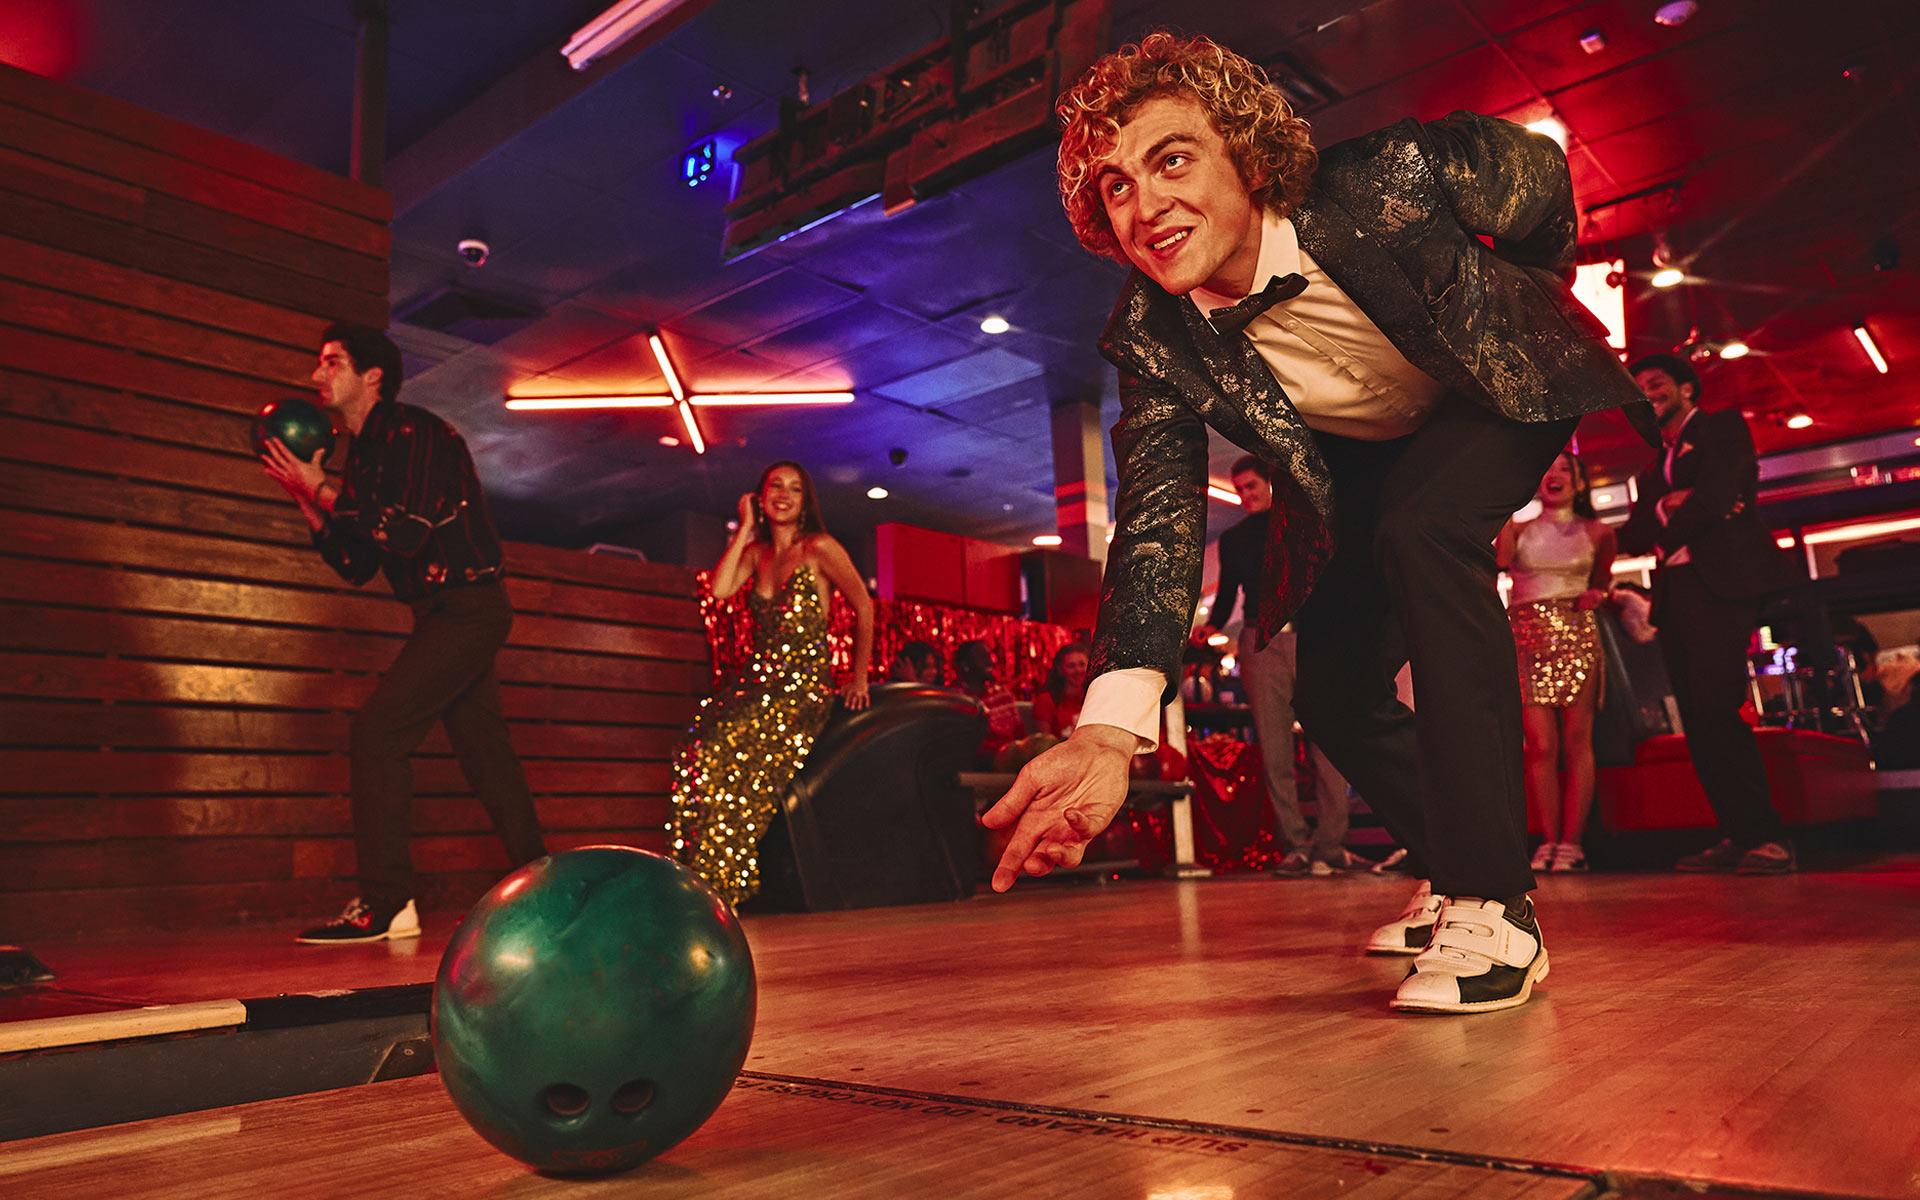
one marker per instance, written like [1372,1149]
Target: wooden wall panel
[178,669]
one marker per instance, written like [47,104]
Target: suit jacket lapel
[1164,338]
[1378,285]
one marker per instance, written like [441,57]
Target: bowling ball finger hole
[565,1100]
[632,1097]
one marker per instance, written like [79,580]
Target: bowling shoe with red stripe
[361,922]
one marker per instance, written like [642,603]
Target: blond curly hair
[1265,140]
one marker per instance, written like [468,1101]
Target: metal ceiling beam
[369,153]
[513,104]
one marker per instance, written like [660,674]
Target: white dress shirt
[1343,376]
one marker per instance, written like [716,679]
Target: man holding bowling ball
[410,504]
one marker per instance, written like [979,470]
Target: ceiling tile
[960,378]
[826,339]
[765,306]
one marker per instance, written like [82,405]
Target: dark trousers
[1703,638]
[444,673]
[1413,579]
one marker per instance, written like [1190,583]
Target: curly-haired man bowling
[1336,314]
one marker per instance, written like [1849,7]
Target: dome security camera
[474,251]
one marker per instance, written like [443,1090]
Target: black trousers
[1703,638]
[1413,578]
[444,673]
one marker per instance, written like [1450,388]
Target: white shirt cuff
[1128,699]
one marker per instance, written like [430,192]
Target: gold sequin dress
[746,744]
[1558,644]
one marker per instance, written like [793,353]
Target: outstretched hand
[1061,801]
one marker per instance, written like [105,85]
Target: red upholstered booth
[1814,777]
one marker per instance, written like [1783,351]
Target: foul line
[1204,1128]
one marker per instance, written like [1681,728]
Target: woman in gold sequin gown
[748,740]
[1561,563]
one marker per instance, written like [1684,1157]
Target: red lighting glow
[744,399]
[41,36]
[1872,347]
[1860,529]
[560,403]
[677,398]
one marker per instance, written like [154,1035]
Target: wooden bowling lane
[772,1138]
[1757,1032]
[259,959]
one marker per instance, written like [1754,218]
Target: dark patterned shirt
[410,503]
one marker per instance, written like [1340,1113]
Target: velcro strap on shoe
[1466,934]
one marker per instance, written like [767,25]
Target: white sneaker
[1543,857]
[1568,856]
[1483,958]
[1409,932]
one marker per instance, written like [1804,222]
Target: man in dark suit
[1269,674]
[1410,384]
[1695,509]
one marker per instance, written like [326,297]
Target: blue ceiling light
[698,163]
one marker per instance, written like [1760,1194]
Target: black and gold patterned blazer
[1393,217]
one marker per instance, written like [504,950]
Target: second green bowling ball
[300,424]
[593,1009]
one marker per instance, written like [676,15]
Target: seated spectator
[917,662]
[1056,709]
[973,674]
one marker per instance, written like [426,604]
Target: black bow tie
[1236,317]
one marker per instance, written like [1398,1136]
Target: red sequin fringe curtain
[1022,650]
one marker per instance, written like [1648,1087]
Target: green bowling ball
[593,1009]
[301,425]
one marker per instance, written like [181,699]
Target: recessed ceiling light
[876,493]
[1735,349]
[1593,41]
[995,324]
[1676,12]
[668,439]
[1799,421]
[1603,497]
[1667,277]
[1047,539]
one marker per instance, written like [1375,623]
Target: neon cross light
[677,397]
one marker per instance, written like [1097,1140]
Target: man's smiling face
[1178,206]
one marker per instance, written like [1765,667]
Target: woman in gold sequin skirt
[748,740]
[1561,563]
